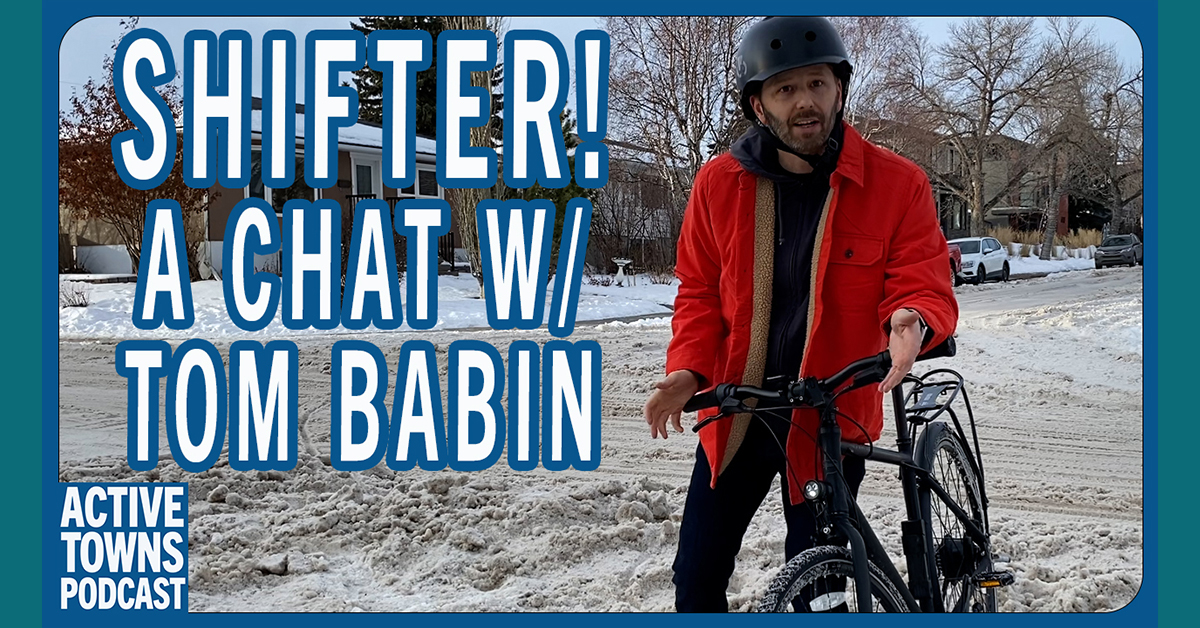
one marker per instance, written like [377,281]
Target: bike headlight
[813,490]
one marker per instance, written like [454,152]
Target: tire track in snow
[1054,380]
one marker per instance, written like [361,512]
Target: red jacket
[879,249]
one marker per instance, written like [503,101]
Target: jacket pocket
[856,250]
[854,278]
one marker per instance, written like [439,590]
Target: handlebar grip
[945,350]
[700,401]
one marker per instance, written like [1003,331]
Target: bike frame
[838,517]
[841,514]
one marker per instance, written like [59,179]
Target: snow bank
[1022,265]
[314,539]
[459,307]
[641,323]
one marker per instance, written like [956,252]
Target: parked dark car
[1118,250]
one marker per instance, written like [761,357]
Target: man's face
[800,105]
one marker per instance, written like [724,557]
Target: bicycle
[946,542]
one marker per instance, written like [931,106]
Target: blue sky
[85,45]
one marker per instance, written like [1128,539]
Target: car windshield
[968,246]
[1118,241]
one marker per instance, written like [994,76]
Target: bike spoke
[959,592]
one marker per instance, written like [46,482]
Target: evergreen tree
[560,196]
[498,101]
[369,82]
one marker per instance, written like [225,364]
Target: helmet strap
[827,159]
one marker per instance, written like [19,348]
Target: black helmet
[778,44]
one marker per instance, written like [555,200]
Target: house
[360,164]
[1006,157]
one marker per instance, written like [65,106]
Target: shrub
[599,280]
[662,276]
[274,264]
[1003,234]
[1008,235]
[1081,239]
[74,294]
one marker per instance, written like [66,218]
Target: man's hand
[668,400]
[904,344]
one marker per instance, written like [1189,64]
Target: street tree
[1091,120]
[89,184]
[978,91]
[875,45]
[463,201]
[671,94]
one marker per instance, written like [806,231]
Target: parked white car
[982,259]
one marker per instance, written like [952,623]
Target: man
[802,249]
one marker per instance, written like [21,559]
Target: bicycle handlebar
[947,349]
[700,401]
[875,368]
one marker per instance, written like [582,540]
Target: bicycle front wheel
[821,579]
[957,558]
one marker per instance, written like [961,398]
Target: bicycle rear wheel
[956,557]
[821,579]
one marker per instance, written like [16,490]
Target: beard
[813,144]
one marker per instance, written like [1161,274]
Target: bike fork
[830,436]
[862,574]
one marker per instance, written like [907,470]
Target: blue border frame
[1142,17]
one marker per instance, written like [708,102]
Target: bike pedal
[993,579]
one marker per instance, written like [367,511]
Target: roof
[361,134]
[1013,211]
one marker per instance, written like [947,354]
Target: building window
[425,186]
[277,197]
[427,180]
[365,175]
[362,179]
[297,190]
[256,189]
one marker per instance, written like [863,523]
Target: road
[1047,290]
[1055,374]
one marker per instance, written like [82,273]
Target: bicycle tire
[940,450]
[829,568]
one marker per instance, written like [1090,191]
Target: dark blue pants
[715,520]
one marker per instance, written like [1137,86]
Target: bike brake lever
[697,427]
[728,407]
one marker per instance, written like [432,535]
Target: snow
[1054,370]
[641,323]
[99,277]
[358,134]
[1023,265]
[459,307]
